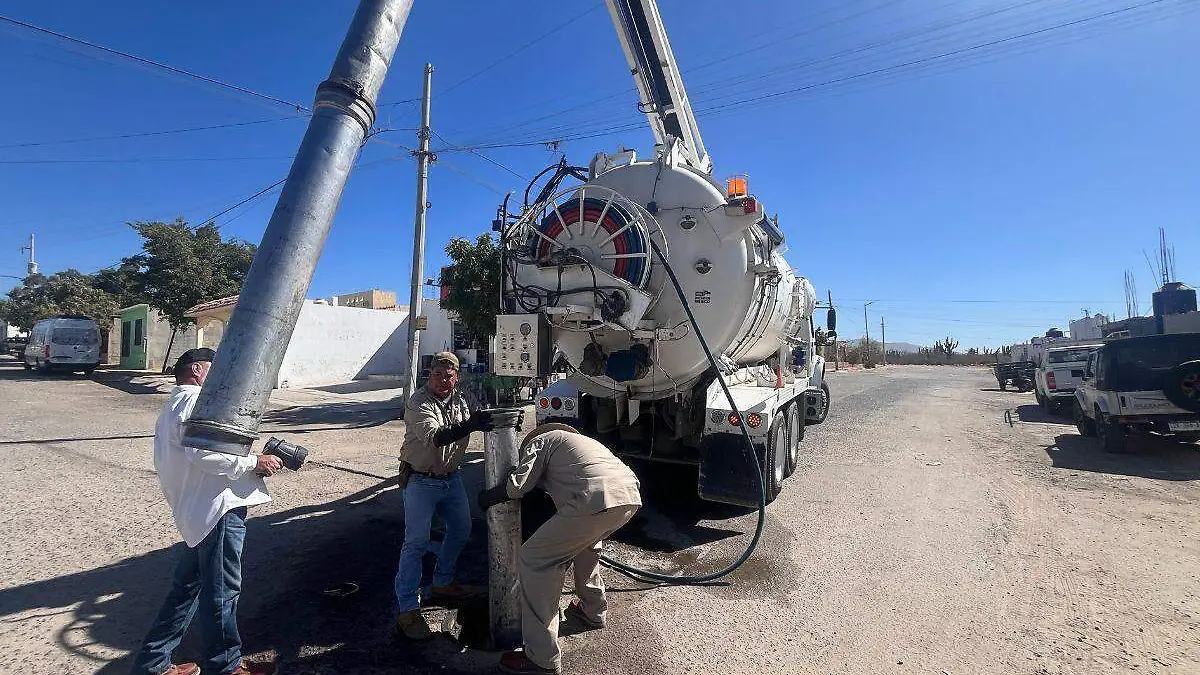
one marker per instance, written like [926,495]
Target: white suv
[1146,384]
[1059,372]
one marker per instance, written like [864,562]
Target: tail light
[734,419]
[1050,381]
[556,403]
[749,205]
[544,402]
[46,352]
[754,420]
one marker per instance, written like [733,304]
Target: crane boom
[663,97]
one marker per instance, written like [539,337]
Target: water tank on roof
[1054,333]
[1174,298]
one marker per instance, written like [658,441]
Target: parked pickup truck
[1019,373]
[1059,371]
[1141,384]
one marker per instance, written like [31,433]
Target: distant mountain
[902,347]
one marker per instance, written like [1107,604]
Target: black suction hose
[680,580]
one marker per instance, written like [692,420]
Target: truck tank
[591,243]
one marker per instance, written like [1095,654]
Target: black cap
[194,356]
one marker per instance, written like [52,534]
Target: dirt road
[921,534]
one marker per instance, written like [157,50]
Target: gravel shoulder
[921,534]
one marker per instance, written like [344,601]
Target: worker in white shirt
[209,493]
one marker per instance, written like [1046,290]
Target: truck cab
[1059,372]
[1148,384]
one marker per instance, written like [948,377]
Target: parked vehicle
[1141,384]
[1019,373]
[1059,371]
[14,345]
[67,343]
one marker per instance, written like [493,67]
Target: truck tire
[1003,384]
[1113,437]
[776,459]
[823,412]
[795,434]
[1085,425]
[1182,386]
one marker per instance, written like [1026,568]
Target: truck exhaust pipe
[233,399]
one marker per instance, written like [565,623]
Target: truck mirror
[830,336]
[831,320]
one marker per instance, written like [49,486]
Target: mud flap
[726,473]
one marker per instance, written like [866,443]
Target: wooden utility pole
[414,299]
[883,340]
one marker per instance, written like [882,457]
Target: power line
[149,133]
[139,160]
[156,64]
[520,49]
[478,154]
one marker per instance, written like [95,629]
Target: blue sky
[987,194]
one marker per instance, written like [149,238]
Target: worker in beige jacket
[595,494]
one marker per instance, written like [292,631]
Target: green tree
[473,283]
[67,292]
[122,281]
[182,266]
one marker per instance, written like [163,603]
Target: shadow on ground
[1036,413]
[293,556]
[134,382]
[1149,456]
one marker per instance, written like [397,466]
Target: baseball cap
[445,359]
[191,356]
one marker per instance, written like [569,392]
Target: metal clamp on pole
[504,531]
[233,399]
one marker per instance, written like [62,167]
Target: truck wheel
[827,402]
[795,434]
[1003,384]
[27,366]
[1085,425]
[1113,437]
[777,452]
[1182,386]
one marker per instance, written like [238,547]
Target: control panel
[522,345]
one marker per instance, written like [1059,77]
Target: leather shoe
[516,663]
[575,611]
[182,669]
[413,626]
[251,668]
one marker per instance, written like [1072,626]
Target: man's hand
[268,465]
[481,420]
[493,496]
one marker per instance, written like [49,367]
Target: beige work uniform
[424,414]
[595,494]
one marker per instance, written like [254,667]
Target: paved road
[922,534]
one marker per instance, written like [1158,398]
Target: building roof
[211,305]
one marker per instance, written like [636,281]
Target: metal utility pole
[883,340]
[504,532]
[32,267]
[233,399]
[418,265]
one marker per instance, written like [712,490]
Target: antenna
[32,267]
[1164,266]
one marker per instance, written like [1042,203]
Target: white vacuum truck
[593,279]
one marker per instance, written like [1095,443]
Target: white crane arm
[663,97]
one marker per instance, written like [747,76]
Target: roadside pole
[418,265]
[883,341]
[504,533]
[232,400]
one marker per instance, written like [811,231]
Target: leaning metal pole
[504,535]
[232,401]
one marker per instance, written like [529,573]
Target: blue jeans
[208,580]
[423,497]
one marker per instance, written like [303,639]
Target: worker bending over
[438,419]
[594,494]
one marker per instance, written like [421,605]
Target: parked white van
[70,343]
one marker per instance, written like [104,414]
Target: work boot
[182,669]
[454,591]
[251,668]
[575,611]
[413,626]
[516,663]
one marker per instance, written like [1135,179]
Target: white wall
[338,344]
